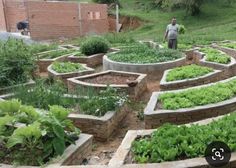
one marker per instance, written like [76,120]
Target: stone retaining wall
[65,76]
[133,92]
[180,84]
[154,71]
[101,127]
[120,157]
[156,117]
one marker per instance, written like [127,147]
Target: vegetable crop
[229,45]
[56,53]
[142,54]
[172,142]
[199,96]
[66,67]
[214,55]
[187,72]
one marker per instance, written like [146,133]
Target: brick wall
[2,17]
[50,20]
[15,11]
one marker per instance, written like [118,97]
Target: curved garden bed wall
[154,71]
[73,155]
[65,76]
[134,91]
[180,84]
[229,51]
[45,62]
[120,158]
[100,127]
[155,117]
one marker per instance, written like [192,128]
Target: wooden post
[117,18]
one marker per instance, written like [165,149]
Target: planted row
[198,96]
[66,67]
[187,72]
[229,45]
[172,142]
[142,54]
[214,55]
[43,136]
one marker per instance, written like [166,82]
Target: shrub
[16,62]
[172,142]
[142,54]
[45,94]
[66,67]
[187,72]
[199,96]
[99,104]
[94,45]
[45,135]
[214,55]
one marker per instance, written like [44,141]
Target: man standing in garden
[171,34]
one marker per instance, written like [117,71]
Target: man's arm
[166,33]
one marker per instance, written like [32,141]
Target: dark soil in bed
[110,79]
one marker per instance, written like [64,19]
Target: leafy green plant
[46,135]
[229,45]
[142,54]
[56,53]
[181,29]
[94,45]
[16,62]
[172,142]
[99,104]
[187,72]
[198,96]
[37,48]
[214,55]
[66,67]
[44,94]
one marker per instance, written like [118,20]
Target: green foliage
[44,94]
[187,72]
[181,29]
[142,54]
[214,55]
[66,67]
[94,45]
[37,48]
[172,142]
[199,96]
[99,104]
[105,1]
[229,45]
[117,39]
[56,53]
[16,62]
[44,137]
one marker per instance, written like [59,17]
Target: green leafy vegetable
[66,67]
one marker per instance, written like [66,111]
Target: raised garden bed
[68,46]
[221,64]
[134,84]
[48,57]
[100,127]
[192,104]
[79,70]
[228,47]
[10,89]
[188,76]
[153,70]
[124,156]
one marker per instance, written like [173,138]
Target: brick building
[54,19]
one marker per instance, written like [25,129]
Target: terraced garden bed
[187,76]
[167,146]
[134,84]
[48,57]
[192,104]
[65,70]
[228,47]
[142,59]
